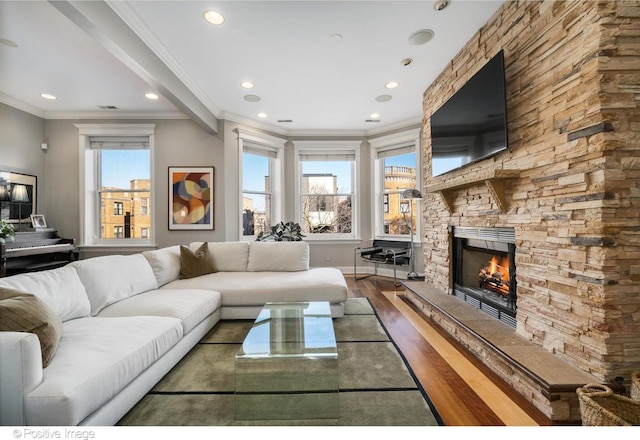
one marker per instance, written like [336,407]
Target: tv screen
[472,124]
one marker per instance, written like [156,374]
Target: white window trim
[388,143]
[261,141]
[300,147]
[89,219]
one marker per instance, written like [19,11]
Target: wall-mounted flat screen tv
[472,124]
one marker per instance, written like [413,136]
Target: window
[326,196]
[116,184]
[395,166]
[261,165]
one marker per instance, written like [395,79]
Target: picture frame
[38,221]
[18,194]
[191,198]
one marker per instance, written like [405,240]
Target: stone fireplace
[567,187]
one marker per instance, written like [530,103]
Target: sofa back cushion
[231,256]
[113,278]
[60,289]
[165,264]
[278,256]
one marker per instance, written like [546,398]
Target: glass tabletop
[300,329]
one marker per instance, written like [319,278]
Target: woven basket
[600,406]
[635,385]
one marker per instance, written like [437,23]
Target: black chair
[397,253]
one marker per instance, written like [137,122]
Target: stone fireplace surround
[568,185]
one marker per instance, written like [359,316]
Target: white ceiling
[95,53]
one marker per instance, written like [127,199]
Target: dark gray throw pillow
[194,264]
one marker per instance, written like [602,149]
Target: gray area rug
[376,388]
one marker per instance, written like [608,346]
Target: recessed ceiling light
[406,61]
[336,38]
[246,84]
[8,43]
[391,85]
[47,96]
[252,98]
[383,98]
[421,37]
[151,96]
[262,115]
[213,17]
[374,115]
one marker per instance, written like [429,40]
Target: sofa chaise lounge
[126,320]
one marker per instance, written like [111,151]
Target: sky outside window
[120,167]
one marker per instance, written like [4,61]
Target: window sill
[118,247]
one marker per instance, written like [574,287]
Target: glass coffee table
[287,367]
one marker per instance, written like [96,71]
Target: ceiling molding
[102,23]
[137,25]
[15,103]
[111,114]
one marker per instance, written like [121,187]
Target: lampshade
[19,194]
[411,193]
[4,194]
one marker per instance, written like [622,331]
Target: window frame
[302,148]
[386,145]
[90,201]
[273,148]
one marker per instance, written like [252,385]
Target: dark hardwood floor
[463,391]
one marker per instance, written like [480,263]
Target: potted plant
[7,232]
[289,231]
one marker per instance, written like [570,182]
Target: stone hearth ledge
[544,379]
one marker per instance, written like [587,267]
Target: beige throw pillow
[24,312]
[194,264]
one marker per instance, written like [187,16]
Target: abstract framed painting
[191,191]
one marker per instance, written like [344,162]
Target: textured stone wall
[573,107]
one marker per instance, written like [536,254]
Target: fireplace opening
[484,271]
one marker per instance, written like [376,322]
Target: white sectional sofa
[127,320]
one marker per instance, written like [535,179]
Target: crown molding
[17,104]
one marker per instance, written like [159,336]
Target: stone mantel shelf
[494,179]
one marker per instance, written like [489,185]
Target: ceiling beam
[100,22]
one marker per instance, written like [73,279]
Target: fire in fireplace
[484,272]
[495,276]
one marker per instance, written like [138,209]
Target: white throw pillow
[60,289]
[112,278]
[165,264]
[229,256]
[278,256]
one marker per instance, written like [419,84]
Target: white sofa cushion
[258,288]
[165,263]
[60,289]
[230,256]
[190,306]
[96,359]
[112,278]
[278,256]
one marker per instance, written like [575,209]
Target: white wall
[178,142]
[21,139]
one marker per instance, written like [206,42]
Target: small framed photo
[191,192]
[38,221]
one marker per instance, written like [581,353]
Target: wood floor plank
[498,401]
[458,384]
